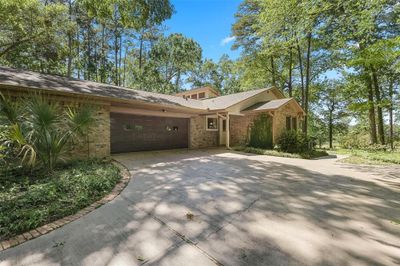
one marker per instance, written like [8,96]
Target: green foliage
[25,205]
[168,60]
[172,57]
[42,129]
[294,142]
[296,44]
[81,38]
[357,138]
[261,132]
[30,34]
[206,73]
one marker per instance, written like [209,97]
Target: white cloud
[227,40]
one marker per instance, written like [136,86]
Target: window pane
[212,123]
[294,123]
[128,127]
[288,123]
[194,96]
[202,95]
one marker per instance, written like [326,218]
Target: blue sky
[208,22]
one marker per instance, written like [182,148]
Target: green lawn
[369,157]
[26,203]
[308,155]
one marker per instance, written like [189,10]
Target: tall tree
[206,73]
[330,106]
[172,57]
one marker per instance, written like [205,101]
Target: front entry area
[131,133]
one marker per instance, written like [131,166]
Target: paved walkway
[211,207]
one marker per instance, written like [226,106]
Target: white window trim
[211,116]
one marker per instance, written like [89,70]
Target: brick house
[133,120]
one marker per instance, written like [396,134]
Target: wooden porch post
[227,130]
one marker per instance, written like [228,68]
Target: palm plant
[41,129]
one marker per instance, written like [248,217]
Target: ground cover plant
[27,202]
[38,184]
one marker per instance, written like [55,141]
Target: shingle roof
[223,102]
[34,80]
[271,105]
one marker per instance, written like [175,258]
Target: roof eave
[98,97]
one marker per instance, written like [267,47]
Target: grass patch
[306,155]
[369,157]
[27,203]
[360,160]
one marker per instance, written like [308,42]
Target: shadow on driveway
[246,210]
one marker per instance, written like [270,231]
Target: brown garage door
[143,133]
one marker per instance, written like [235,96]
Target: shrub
[294,142]
[41,129]
[376,147]
[355,139]
[261,132]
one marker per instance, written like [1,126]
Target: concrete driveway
[211,207]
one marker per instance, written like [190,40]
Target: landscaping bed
[27,202]
[305,155]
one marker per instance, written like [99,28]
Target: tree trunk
[78,53]
[69,59]
[120,59]
[88,51]
[331,110]
[103,55]
[391,133]
[330,129]
[124,71]
[178,77]
[381,130]
[307,87]
[273,80]
[140,53]
[300,57]
[96,77]
[116,57]
[371,111]
[290,89]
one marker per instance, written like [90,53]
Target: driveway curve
[217,207]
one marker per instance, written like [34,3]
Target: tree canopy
[338,58]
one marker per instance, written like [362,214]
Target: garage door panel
[141,133]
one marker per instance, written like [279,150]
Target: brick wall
[240,126]
[239,129]
[199,136]
[98,144]
[280,120]
[99,136]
